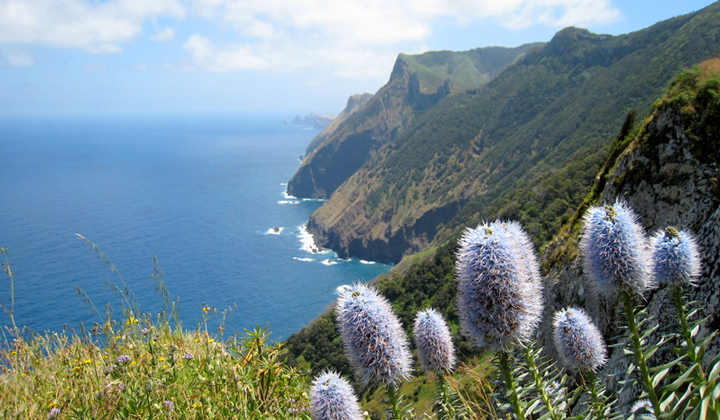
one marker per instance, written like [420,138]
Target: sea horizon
[205,195]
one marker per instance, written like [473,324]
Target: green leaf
[680,380]
[659,377]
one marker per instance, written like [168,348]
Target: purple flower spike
[615,250]
[123,358]
[578,341]
[433,342]
[332,398]
[54,413]
[374,340]
[675,257]
[499,285]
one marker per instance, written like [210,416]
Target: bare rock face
[669,179]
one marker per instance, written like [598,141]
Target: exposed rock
[666,184]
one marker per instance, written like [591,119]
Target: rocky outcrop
[670,176]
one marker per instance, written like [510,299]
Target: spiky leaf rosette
[372,335]
[615,250]
[333,398]
[499,287]
[675,257]
[578,341]
[433,342]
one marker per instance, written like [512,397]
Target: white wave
[304,259]
[288,196]
[274,231]
[366,262]
[283,184]
[329,261]
[288,202]
[308,243]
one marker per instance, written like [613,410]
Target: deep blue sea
[204,194]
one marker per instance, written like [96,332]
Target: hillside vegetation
[526,146]
[416,84]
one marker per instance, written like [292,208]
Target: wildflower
[205,308]
[145,331]
[123,358]
[675,257]
[188,356]
[615,249]
[433,341]
[578,341]
[499,287]
[54,413]
[374,340]
[169,405]
[332,398]
[131,320]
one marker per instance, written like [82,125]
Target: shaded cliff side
[417,83]
[526,146]
[354,103]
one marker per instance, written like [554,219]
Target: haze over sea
[202,193]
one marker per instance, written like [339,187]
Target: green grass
[142,366]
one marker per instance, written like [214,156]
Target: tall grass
[139,365]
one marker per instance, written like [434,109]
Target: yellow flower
[206,308]
[88,361]
[211,340]
[76,368]
[52,404]
[14,353]
[162,359]
[131,321]
[197,405]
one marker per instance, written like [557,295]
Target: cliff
[525,146]
[416,83]
[667,169]
[354,103]
[669,173]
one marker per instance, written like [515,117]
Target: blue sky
[64,57]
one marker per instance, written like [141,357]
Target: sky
[117,57]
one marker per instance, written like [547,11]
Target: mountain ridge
[416,83]
[471,155]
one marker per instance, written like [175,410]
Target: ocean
[204,194]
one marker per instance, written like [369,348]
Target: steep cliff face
[526,146]
[417,83]
[354,103]
[670,175]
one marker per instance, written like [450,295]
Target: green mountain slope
[667,169]
[526,146]
[417,83]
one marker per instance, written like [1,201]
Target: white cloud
[352,38]
[164,35]
[359,37]
[98,27]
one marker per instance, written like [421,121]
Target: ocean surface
[204,194]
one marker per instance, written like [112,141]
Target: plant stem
[635,341]
[540,384]
[591,383]
[510,385]
[12,292]
[394,402]
[690,348]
